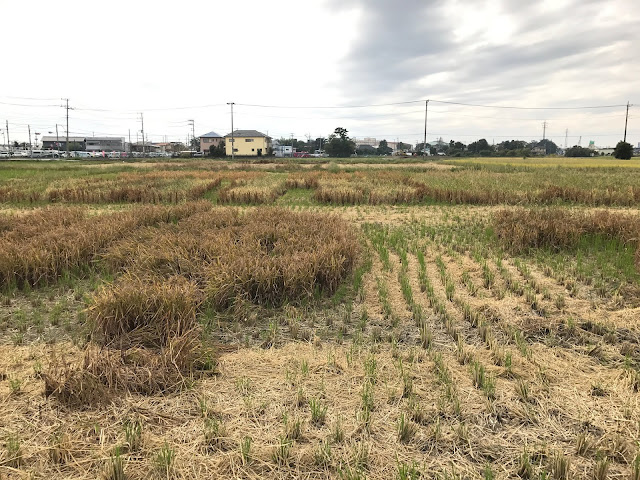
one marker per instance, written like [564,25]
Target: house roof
[211,134]
[246,133]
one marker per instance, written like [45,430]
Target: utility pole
[424,146]
[8,139]
[544,130]
[233,145]
[192,124]
[566,135]
[57,140]
[142,121]
[626,120]
[129,140]
[66,106]
[291,144]
[29,129]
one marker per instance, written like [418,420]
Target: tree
[195,144]
[384,148]
[623,151]
[366,150]
[481,147]
[549,146]
[403,146]
[217,151]
[339,144]
[577,151]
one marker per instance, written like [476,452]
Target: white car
[20,153]
[4,154]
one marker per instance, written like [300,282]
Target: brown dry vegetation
[522,230]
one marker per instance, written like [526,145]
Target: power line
[529,108]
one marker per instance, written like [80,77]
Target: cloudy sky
[304,68]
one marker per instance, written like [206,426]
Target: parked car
[4,154]
[20,153]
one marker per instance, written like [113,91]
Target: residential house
[208,140]
[248,143]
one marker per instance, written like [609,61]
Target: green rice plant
[478,374]
[370,366]
[60,448]
[281,454]
[14,451]
[560,466]
[406,429]
[408,472]
[522,390]
[367,396]
[322,454]
[601,469]
[337,431]
[318,411]
[214,433]
[450,288]
[560,302]
[426,336]
[635,468]
[164,459]
[464,356]
[293,428]
[487,473]
[15,385]
[525,469]
[488,276]
[360,456]
[115,467]
[468,283]
[462,432]
[133,434]
[245,450]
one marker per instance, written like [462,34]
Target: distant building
[208,140]
[248,143]
[105,144]
[60,143]
[604,151]
[283,150]
[90,144]
[370,141]
[168,147]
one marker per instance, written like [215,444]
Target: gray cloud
[402,43]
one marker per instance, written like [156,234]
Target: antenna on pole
[626,120]
[424,146]
[67,107]
[233,145]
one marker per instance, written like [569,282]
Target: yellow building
[248,143]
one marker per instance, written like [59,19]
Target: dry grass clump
[362,188]
[147,312]
[303,180]
[256,191]
[54,245]
[267,256]
[145,340]
[146,187]
[555,228]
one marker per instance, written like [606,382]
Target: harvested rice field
[345,320]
